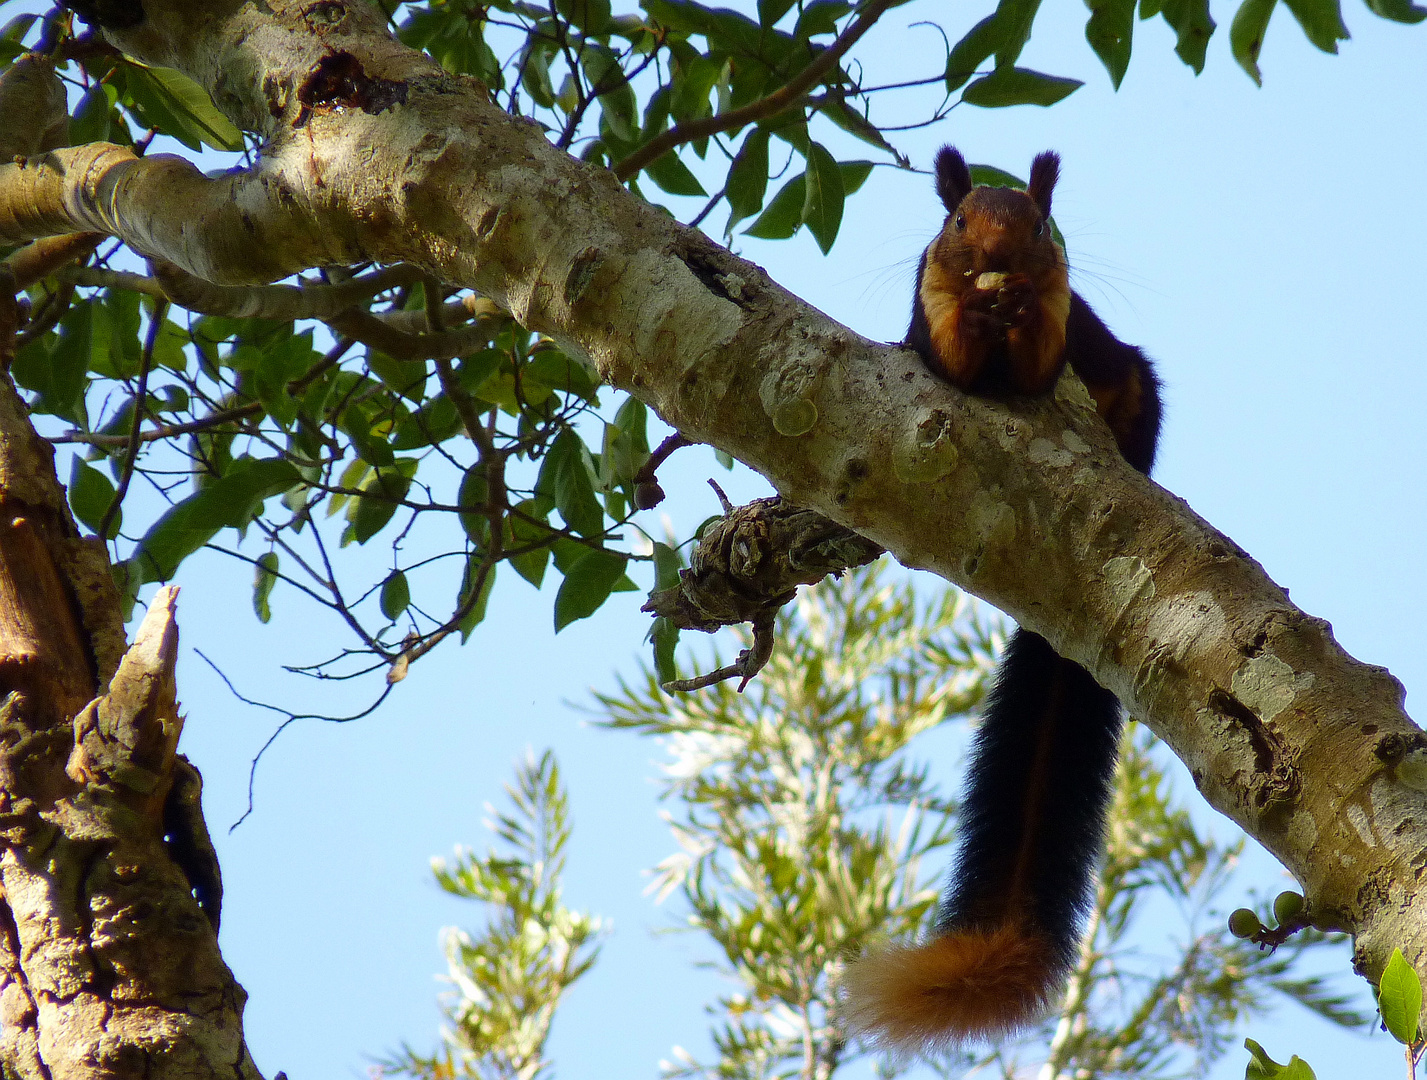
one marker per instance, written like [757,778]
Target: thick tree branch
[1027,504]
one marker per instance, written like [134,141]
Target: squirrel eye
[960,221]
[1040,226]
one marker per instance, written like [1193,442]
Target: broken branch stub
[747,566]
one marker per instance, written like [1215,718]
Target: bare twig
[749,663]
[647,492]
[291,718]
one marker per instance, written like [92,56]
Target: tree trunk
[108,964]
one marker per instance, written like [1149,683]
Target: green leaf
[1194,26]
[1110,31]
[170,346]
[1322,22]
[12,37]
[854,175]
[666,566]
[611,86]
[92,116]
[1263,1067]
[587,585]
[673,176]
[665,636]
[474,494]
[382,491]
[525,523]
[535,71]
[770,11]
[404,377]
[823,201]
[115,349]
[1403,11]
[57,368]
[983,39]
[171,101]
[433,423]
[1246,35]
[230,501]
[820,17]
[90,494]
[570,485]
[1018,86]
[694,80]
[1399,996]
[748,177]
[553,368]
[264,578]
[396,595]
[853,122]
[1019,15]
[591,16]
[477,612]
[784,214]
[632,418]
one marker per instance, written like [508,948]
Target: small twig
[367,328]
[292,718]
[276,301]
[647,492]
[722,498]
[47,317]
[708,207]
[216,419]
[141,400]
[785,96]
[167,431]
[1268,939]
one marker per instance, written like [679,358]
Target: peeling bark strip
[1029,506]
[107,962]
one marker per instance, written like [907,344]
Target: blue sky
[1264,245]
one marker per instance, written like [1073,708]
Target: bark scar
[339,81]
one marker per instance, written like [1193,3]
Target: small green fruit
[1243,923]
[1287,906]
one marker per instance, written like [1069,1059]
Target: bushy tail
[1031,829]
[956,986]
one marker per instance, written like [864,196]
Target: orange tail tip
[962,985]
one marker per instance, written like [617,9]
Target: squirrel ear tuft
[953,178]
[1045,170]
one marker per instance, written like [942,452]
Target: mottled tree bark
[108,964]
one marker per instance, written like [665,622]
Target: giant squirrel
[994,315]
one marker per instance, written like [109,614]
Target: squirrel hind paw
[960,985]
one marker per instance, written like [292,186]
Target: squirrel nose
[997,253]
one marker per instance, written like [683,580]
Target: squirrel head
[996,228]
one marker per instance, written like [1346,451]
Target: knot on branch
[747,566]
[750,562]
